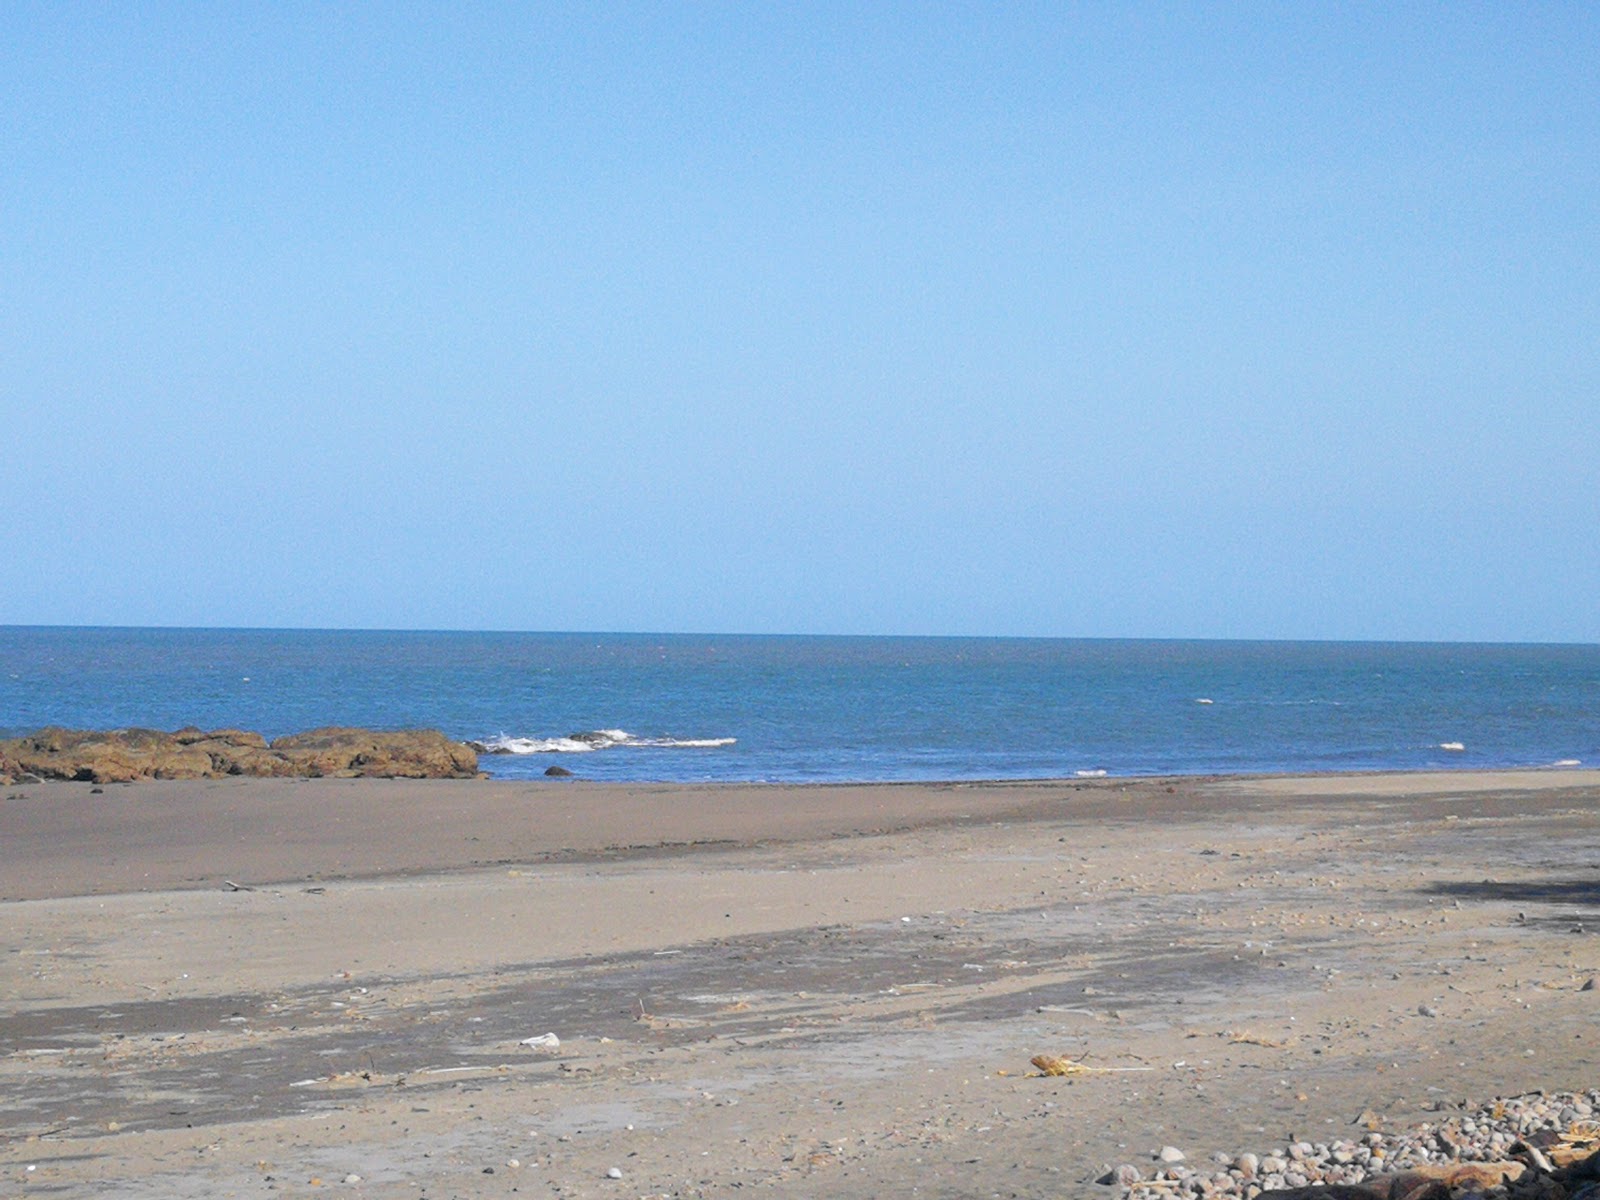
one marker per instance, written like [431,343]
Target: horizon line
[662,633]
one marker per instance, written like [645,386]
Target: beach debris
[543,1041]
[1055,1064]
[1534,1145]
[1244,1037]
[1580,1141]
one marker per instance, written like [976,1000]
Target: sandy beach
[272,987]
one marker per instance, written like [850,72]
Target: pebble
[1485,1134]
[614,1173]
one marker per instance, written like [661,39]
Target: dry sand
[268,988]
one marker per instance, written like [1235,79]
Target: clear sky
[1220,320]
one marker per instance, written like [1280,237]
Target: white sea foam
[503,744]
[587,742]
[1089,774]
[1451,746]
[1568,762]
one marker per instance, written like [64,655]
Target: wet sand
[239,987]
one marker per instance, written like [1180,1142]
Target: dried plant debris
[1054,1064]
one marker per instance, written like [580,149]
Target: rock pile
[1523,1146]
[123,755]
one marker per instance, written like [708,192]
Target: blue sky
[1107,320]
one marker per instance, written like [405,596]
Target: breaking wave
[589,741]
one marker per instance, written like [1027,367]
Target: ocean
[689,707]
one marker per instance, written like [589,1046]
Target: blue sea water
[738,708]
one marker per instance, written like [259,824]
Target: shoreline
[838,993]
[63,839]
[60,838]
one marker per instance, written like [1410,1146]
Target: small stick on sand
[1051,1064]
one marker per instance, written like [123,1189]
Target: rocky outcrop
[412,754]
[124,755]
[10,768]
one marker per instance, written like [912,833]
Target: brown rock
[409,754]
[1414,1183]
[233,737]
[55,753]
[124,755]
[1477,1175]
[1371,1190]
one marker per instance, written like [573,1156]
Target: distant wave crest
[590,741]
